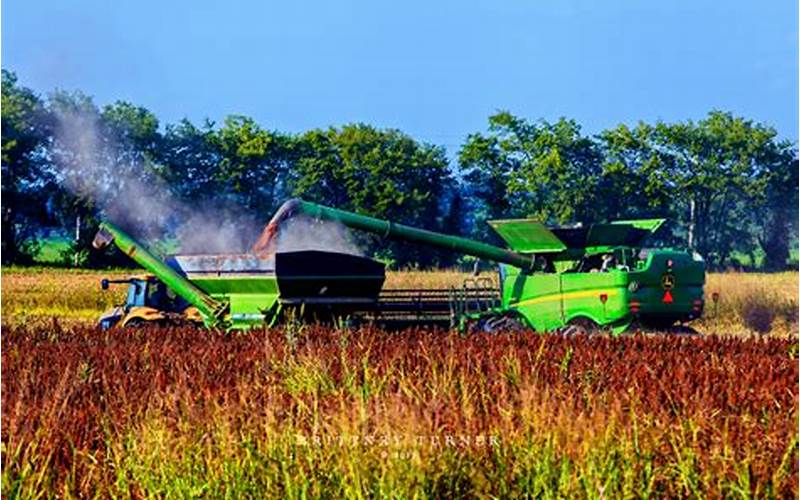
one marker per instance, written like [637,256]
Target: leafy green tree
[717,169]
[78,155]
[134,132]
[548,171]
[382,173]
[724,180]
[485,169]
[26,179]
[104,159]
[189,160]
[775,211]
[633,182]
[253,164]
[729,183]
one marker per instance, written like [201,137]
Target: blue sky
[435,70]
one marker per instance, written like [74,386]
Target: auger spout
[267,242]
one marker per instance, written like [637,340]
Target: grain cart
[572,279]
[237,291]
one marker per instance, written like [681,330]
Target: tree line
[728,185]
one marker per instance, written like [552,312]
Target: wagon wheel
[580,326]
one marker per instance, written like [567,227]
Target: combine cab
[599,276]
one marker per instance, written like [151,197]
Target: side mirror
[104,284]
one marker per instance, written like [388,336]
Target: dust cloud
[129,192]
[301,232]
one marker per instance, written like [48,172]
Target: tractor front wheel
[135,323]
[142,323]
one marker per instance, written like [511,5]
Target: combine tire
[667,329]
[498,324]
[580,326]
[683,330]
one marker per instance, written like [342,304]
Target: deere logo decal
[668,281]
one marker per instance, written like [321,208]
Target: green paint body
[612,299]
[252,300]
[547,301]
[662,287]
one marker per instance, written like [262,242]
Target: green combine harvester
[569,280]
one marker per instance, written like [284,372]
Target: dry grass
[70,295]
[750,303]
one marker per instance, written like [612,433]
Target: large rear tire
[498,323]
[580,326]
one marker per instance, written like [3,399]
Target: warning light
[667,298]
[603,297]
[715,296]
[669,263]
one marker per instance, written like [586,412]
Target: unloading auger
[574,279]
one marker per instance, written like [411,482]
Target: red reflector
[667,298]
[603,297]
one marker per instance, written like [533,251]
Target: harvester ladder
[475,296]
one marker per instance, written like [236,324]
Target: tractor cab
[148,299]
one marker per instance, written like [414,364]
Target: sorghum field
[306,411]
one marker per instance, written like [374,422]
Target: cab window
[136,292]
[156,295]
